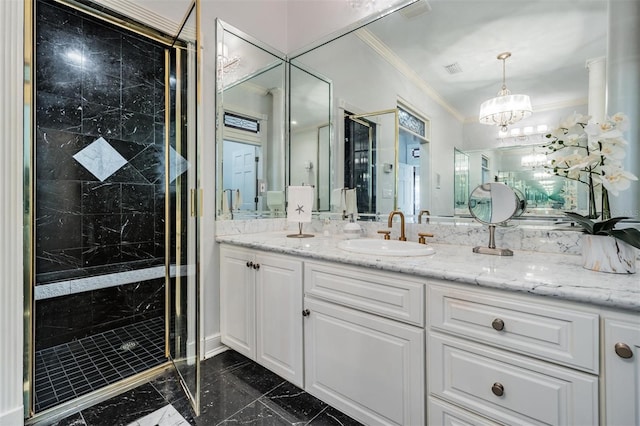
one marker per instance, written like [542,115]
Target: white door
[237,300]
[369,367]
[279,316]
[622,371]
[242,174]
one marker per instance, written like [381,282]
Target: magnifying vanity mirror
[494,204]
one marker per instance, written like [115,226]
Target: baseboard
[13,417]
[213,346]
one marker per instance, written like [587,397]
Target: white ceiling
[550,42]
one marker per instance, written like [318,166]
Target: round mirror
[495,203]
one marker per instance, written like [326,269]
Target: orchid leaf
[607,225]
[628,235]
[586,223]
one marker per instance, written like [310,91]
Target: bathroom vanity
[454,337]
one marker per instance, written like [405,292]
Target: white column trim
[11,142]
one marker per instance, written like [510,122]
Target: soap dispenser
[352,229]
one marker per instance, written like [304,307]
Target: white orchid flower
[611,151]
[621,121]
[615,179]
[573,139]
[573,120]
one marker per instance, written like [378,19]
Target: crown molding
[387,54]
[139,13]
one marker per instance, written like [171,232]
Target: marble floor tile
[165,416]
[293,404]
[256,413]
[332,417]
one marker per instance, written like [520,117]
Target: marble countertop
[555,275]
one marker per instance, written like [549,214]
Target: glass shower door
[183,210]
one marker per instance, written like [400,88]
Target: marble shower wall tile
[94,83]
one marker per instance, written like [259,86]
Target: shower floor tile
[76,368]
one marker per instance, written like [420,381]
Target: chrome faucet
[421,213]
[390,224]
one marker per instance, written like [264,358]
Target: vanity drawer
[548,332]
[387,294]
[509,388]
[444,414]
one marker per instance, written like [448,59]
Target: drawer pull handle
[623,350]
[249,264]
[498,324]
[256,266]
[306,313]
[497,389]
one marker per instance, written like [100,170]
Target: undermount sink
[383,247]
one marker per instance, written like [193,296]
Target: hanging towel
[238,200]
[351,203]
[224,205]
[299,203]
[337,200]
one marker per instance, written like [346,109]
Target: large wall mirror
[437,60]
[251,137]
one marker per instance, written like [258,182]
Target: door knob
[497,389]
[623,350]
[498,324]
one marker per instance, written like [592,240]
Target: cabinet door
[279,316]
[237,301]
[622,371]
[366,366]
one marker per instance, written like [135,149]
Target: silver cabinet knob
[623,350]
[497,389]
[498,324]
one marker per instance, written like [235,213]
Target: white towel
[351,203]
[238,200]
[337,200]
[224,205]
[299,203]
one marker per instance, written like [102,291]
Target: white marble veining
[100,158]
[556,275]
[165,416]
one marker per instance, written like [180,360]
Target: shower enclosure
[114,212]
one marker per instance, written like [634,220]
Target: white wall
[369,83]
[11,287]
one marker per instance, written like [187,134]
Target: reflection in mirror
[524,169]
[251,114]
[310,134]
[493,203]
[439,63]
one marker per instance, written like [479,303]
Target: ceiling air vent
[453,68]
[415,9]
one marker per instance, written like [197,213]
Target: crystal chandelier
[505,108]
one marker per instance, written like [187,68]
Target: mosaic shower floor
[76,368]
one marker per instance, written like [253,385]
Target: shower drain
[127,346]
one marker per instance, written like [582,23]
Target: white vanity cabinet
[364,343]
[511,359]
[621,352]
[261,309]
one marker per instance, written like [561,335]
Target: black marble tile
[58,112]
[101,120]
[56,232]
[58,197]
[332,417]
[139,97]
[128,174]
[101,197]
[50,263]
[102,89]
[293,404]
[256,413]
[99,255]
[138,198]
[140,252]
[256,377]
[137,127]
[58,320]
[50,14]
[223,397]
[137,228]
[100,37]
[113,304]
[128,149]
[103,56]
[125,408]
[150,299]
[101,230]
[56,72]
[150,163]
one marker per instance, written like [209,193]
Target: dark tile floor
[234,390]
[67,371]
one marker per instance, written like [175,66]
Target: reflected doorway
[240,180]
